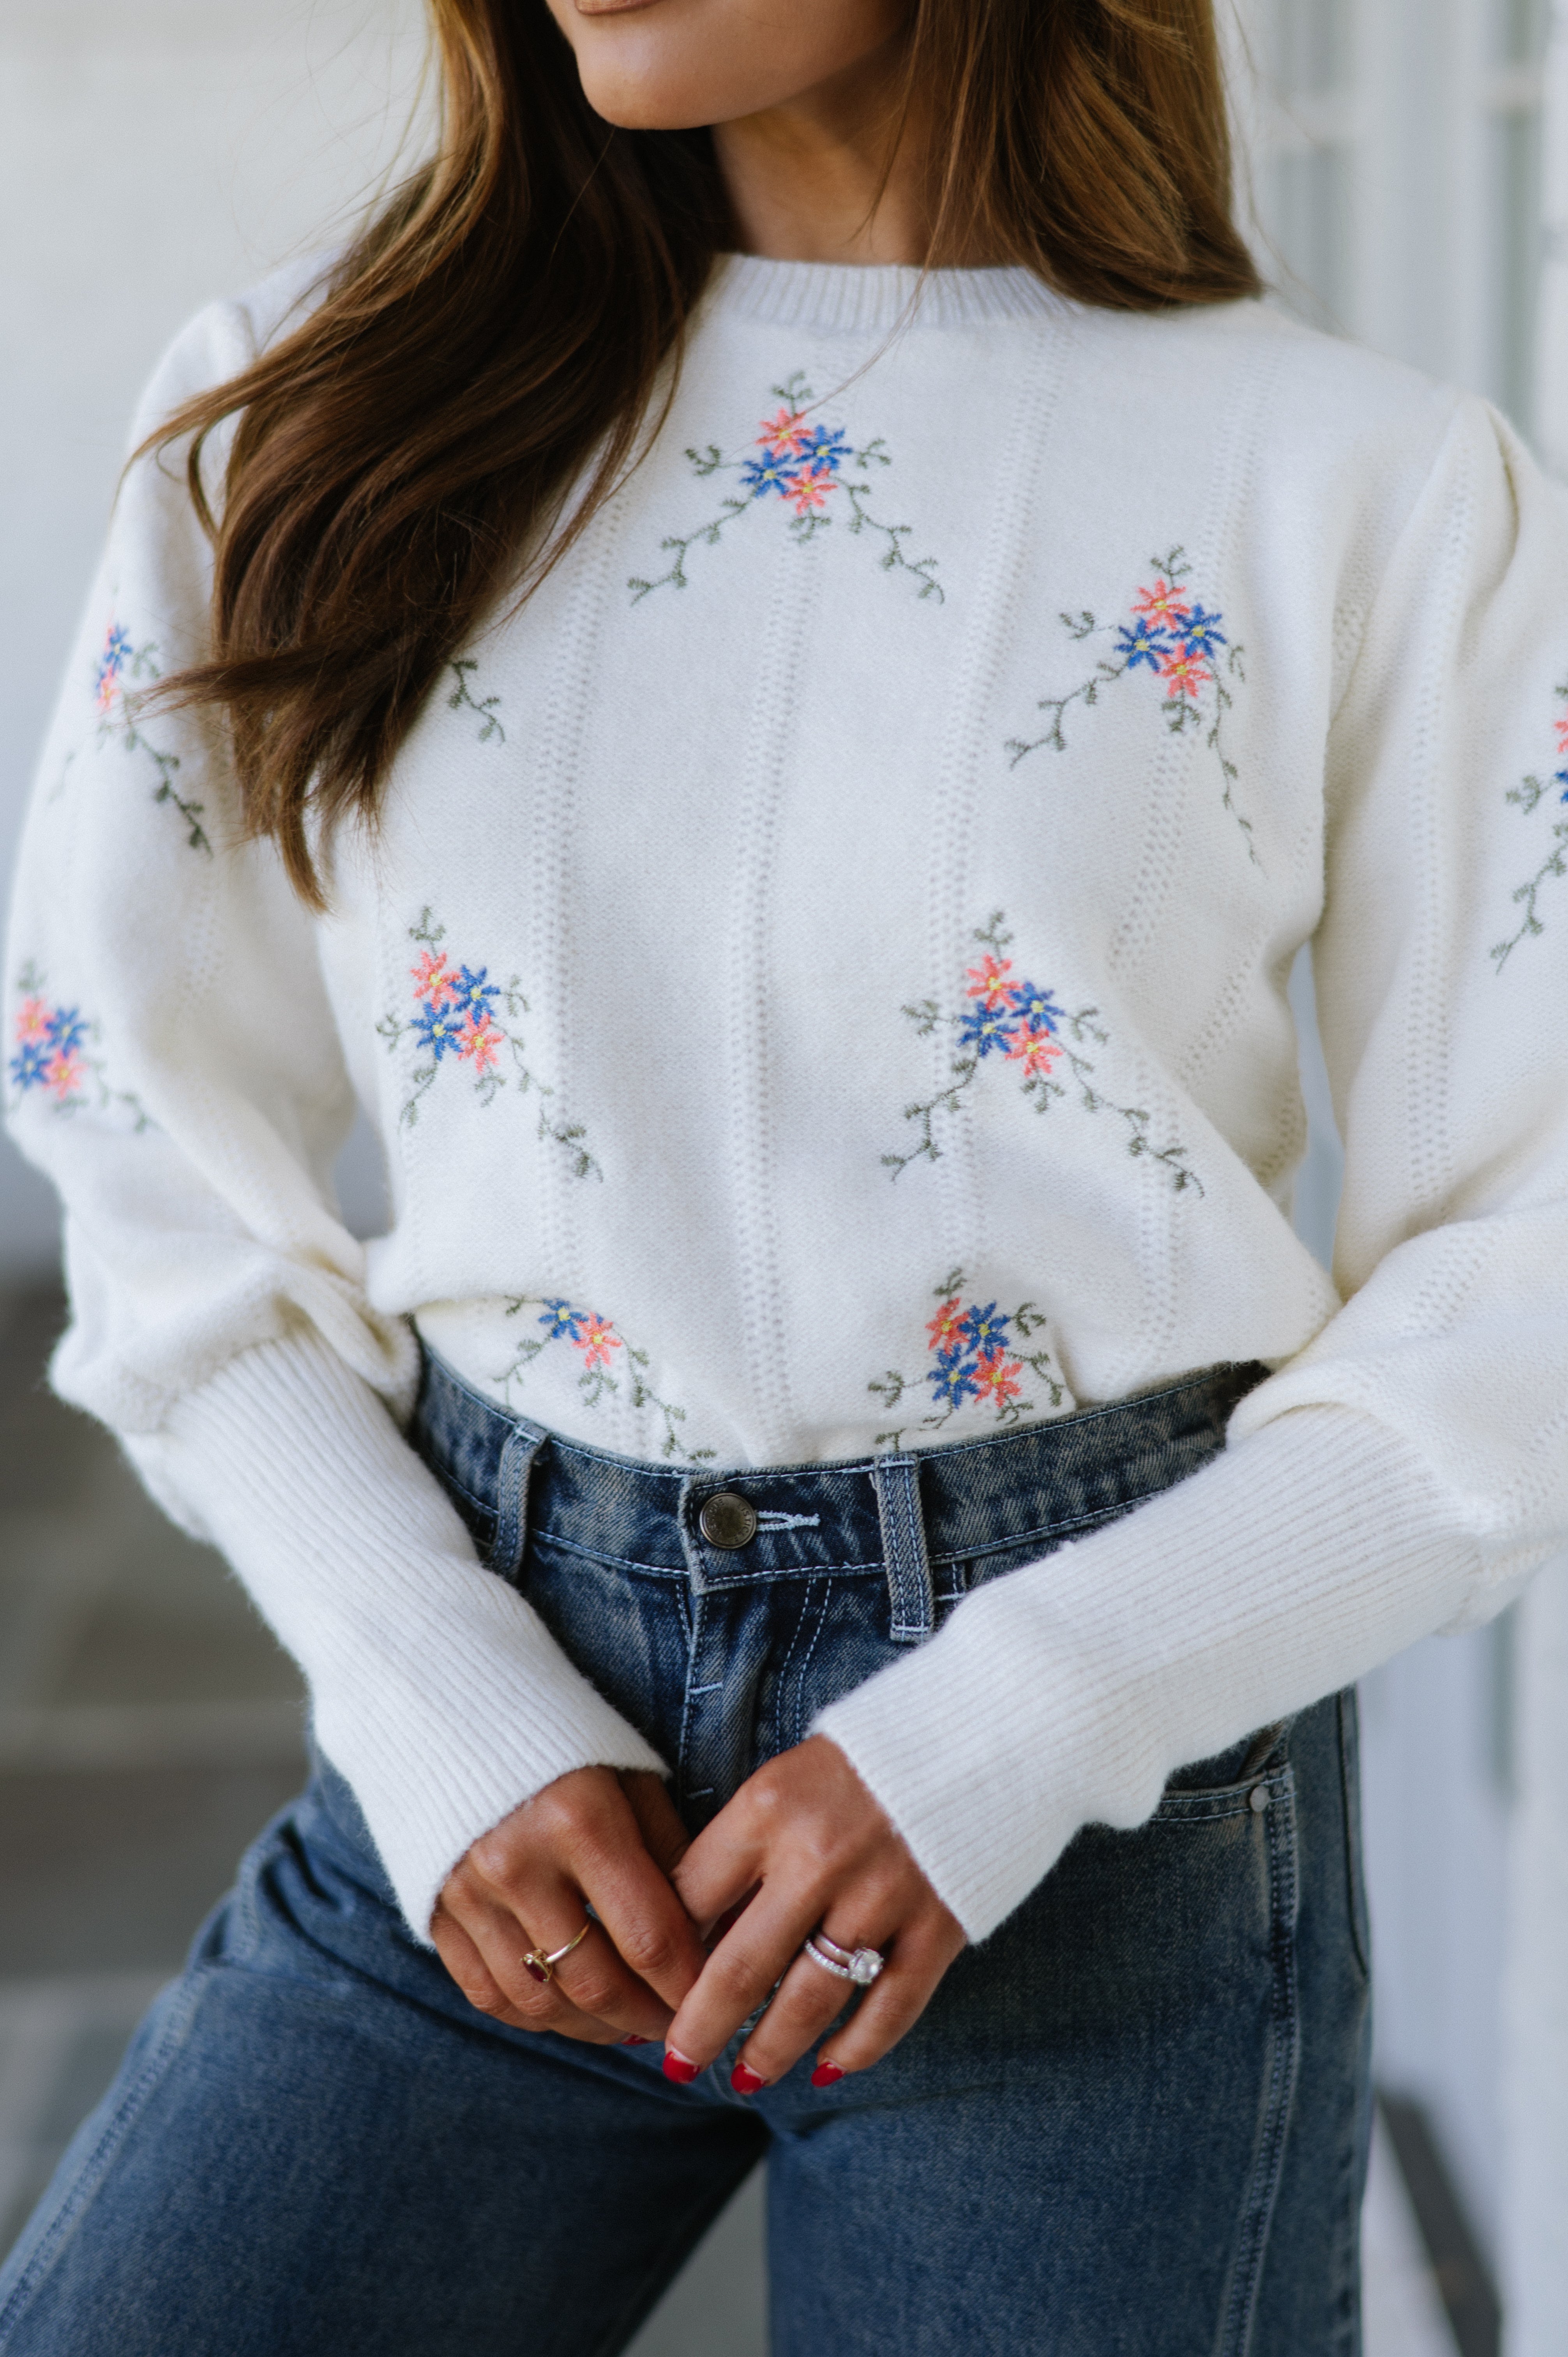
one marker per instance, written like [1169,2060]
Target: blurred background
[1405,164]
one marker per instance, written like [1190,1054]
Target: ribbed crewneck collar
[877,298]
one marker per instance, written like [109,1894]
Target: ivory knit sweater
[819,985]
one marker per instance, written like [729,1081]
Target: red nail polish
[676,2067]
[746,2081]
[826,2074]
[637,2041]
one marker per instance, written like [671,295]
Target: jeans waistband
[901,1518]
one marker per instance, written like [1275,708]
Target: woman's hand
[804,1847]
[598,1837]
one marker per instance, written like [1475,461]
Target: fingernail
[826,2074]
[676,2067]
[637,2041]
[746,2081]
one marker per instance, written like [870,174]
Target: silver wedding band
[860,1966]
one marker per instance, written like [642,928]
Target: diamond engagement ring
[860,1966]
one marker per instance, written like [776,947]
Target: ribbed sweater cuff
[438,1693]
[1068,1692]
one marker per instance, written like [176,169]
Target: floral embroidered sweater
[819,989]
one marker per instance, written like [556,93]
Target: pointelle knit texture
[818,986]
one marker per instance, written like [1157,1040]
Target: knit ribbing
[436,1690]
[1066,1693]
[876,299]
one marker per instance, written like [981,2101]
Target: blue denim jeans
[1132,2124]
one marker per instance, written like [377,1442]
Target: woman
[770,672]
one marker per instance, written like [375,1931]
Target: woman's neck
[810,180]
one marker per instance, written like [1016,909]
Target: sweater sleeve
[176,1069]
[1409,1469]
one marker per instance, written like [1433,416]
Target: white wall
[153,153]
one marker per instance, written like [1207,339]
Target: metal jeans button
[728,1520]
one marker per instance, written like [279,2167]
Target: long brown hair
[504,324]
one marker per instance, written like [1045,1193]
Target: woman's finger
[589,1994]
[807,2002]
[480,1952]
[467,1966]
[664,1837]
[644,1920]
[896,2000]
[594,1842]
[723,1864]
[742,1973]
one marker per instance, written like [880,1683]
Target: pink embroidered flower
[1184,673]
[35,1019]
[998,1377]
[1167,603]
[1561,728]
[479,1041]
[433,980]
[596,1338]
[988,982]
[1036,1050]
[946,1327]
[785,431]
[62,1074]
[809,489]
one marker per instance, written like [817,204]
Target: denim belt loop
[911,1599]
[523,1443]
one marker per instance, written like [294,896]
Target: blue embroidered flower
[774,471]
[1201,633]
[1143,643]
[988,1029]
[30,1064]
[1034,1009]
[953,1379]
[986,1328]
[824,446]
[561,1318]
[476,993]
[441,1027]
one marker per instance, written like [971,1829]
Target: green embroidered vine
[1046,1044]
[484,709]
[608,1359]
[974,1356]
[807,466]
[1527,796]
[454,1014]
[1179,642]
[51,1054]
[118,663]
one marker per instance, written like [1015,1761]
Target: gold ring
[542,1967]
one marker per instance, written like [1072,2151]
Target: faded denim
[1133,2123]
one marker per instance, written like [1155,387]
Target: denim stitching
[872,1570]
[802,1686]
[805,1607]
[1284,2038]
[92,2172]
